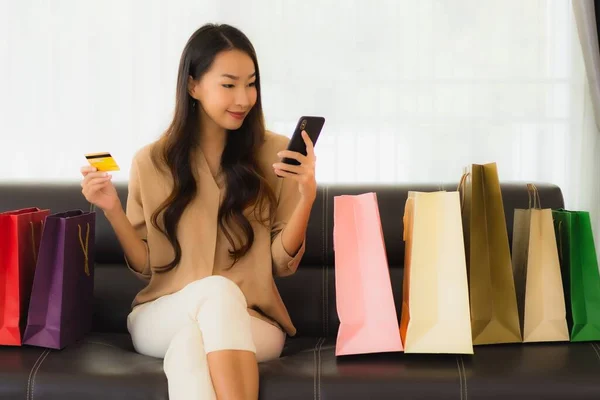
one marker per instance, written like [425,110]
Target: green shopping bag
[581,279]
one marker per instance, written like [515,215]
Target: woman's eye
[227,86]
[252,84]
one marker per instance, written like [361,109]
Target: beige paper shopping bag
[537,273]
[435,304]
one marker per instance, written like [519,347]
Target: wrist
[113,213]
[307,202]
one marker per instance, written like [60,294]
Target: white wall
[412,90]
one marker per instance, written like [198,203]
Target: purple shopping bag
[60,309]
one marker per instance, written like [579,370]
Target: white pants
[205,316]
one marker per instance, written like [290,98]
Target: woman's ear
[191,86]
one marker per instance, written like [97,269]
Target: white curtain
[585,20]
[412,90]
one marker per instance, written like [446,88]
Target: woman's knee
[220,309]
[217,287]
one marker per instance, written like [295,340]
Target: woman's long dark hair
[246,185]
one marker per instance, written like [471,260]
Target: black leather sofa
[105,366]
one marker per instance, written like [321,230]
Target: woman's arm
[295,231]
[135,249]
[130,227]
[298,193]
[291,218]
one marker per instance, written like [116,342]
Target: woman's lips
[237,115]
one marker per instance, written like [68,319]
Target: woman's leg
[227,331]
[234,374]
[205,317]
[186,366]
[268,339]
[240,367]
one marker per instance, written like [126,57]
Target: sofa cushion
[105,366]
[517,372]
[99,367]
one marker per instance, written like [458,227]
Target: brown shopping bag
[537,274]
[494,312]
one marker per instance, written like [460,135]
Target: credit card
[102,161]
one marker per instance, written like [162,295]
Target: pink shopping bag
[365,302]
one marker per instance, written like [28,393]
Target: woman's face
[226,92]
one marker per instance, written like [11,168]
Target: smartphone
[312,126]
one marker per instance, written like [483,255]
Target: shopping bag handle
[85,247]
[532,191]
[560,241]
[33,245]
[461,189]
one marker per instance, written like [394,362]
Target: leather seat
[105,365]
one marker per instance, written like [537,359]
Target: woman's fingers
[301,158]
[86,169]
[91,179]
[286,174]
[95,175]
[289,168]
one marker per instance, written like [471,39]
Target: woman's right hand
[98,189]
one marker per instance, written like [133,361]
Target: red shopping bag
[20,233]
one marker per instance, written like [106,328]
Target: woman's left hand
[304,173]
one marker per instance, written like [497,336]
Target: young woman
[212,216]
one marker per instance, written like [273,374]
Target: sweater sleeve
[135,214]
[284,263]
